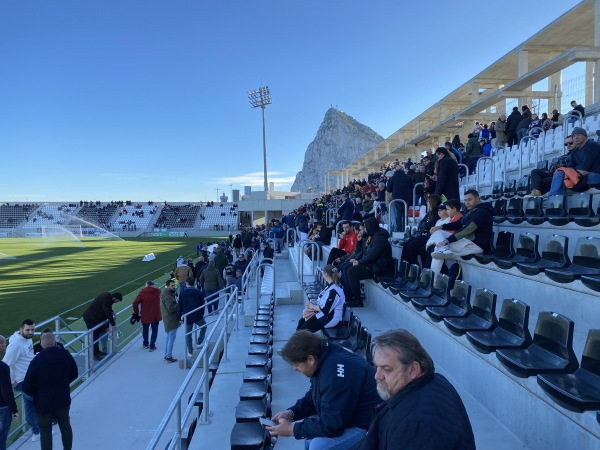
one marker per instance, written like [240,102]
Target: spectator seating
[578,391]
[527,252]
[458,305]
[551,350]
[554,255]
[500,210]
[11,216]
[586,261]
[532,210]
[503,248]
[221,215]
[410,283]
[49,215]
[514,210]
[512,330]
[97,214]
[423,290]
[134,218]
[401,277]
[556,210]
[581,211]
[482,317]
[344,329]
[439,295]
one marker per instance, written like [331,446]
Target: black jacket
[512,121]
[100,310]
[190,299]
[48,378]
[447,178]
[427,414]
[480,221]
[401,186]
[378,253]
[7,396]
[342,395]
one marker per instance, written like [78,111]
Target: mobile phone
[266,422]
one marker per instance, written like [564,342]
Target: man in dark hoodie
[47,380]
[511,126]
[401,186]
[375,260]
[473,232]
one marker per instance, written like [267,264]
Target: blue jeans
[30,415]
[169,342]
[5,421]
[188,335]
[348,439]
[558,187]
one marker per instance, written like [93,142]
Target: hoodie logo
[340,370]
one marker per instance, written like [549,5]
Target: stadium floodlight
[260,99]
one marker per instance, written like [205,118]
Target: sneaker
[442,253]
[35,437]
[145,346]
[170,359]
[99,357]
[101,353]
[535,193]
[153,348]
[199,346]
[190,355]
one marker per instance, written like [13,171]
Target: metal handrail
[569,115]
[316,253]
[527,138]
[225,317]
[390,214]
[287,236]
[266,262]
[478,172]
[415,193]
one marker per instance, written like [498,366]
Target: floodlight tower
[262,98]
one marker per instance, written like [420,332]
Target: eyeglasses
[568,143]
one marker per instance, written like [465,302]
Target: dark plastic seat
[257,360]
[514,210]
[262,330]
[412,275]
[554,254]
[533,211]
[252,410]
[523,186]
[503,248]
[556,210]
[263,323]
[500,210]
[439,295]
[482,317]
[261,339]
[248,436]
[497,190]
[458,305]
[412,280]
[510,189]
[365,348]
[255,390]
[400,277]
[579,391]
[351,343]
[591,281]
[424,289]
[581,210]
[512,330]
[342,330]
[551,350]
[256,374]
[260,349]
[392,273]
[527,252]
[586,261]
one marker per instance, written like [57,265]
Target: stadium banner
[166,234]
[33,234]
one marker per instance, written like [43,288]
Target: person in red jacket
[346,244]
[149,300]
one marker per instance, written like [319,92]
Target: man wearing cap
[99,311]
[585,159]
[149,300]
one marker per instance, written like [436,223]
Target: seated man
[473,232]
[338,407]
[417,402]
[585,159]
[346,244]
[540,179]
[375,260]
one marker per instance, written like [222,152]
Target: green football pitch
[42,278]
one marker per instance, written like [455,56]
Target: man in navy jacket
[338,407]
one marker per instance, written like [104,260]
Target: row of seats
[213,216]
[255,392]
[12,215]
[99,215]
[549,354]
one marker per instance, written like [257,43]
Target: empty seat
[261,339]
[412,280]
[591,281]
[500,210]
[556,210]
[257,360]
[551,350]
[579,391]
[248,436]
[260,349]
[514,210]
[532,210]
[512,330]
[581,211]
[523,186]
[351,343]
[252,410]
[439,296]
[365,348]
[482,317]
[458,305]
[586,261]
[399,276]
[527,252]
[554,254]
[424,288]
[503,248]
[262,330]
[497,190]
[510,188]
[255,390]
[257,374]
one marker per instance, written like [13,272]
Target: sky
[147,99]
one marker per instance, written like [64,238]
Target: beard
[383,392]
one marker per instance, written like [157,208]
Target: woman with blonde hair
[327,309]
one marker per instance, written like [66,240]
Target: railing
[390,209]
[266,262]
[287,236]
[415,193]
[228,314]
[316,254]
[521,148]
[330,216]
[478,172]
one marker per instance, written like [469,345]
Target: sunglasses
[568,143]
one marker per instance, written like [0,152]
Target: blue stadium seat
[579,391]
[482,317]
[554,255]
[527,252]
[512,330]
[424,288]
[458,305]
[586,261]
[551,350]
[439,296]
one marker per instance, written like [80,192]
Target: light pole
[262,98]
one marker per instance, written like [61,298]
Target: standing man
[48,381]
[182,273]
[401,186]
[8,406]
[149,300]
[338,407]
[100,310]
[278,235]
[19,354]
[446,185]
[421,409]
[168,310]
[190,300]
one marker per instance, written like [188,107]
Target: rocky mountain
[340,140]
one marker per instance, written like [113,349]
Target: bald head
[48,340]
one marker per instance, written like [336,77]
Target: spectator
[327,309]
[278,235]
[418,403]
[8,406]
[446,185]
[576,109]
[346,243]
[557,119]
[168,309]
[540,179]
[546,122]
[149,300]
[338,407]
[211,281]
[413,245]
[473,152]
[501,130]
[585,160]
[99,311]
[523,125]
[401,187]
[535,125]
[511,126]
[48,381]
[241,263]
[181,274]
[473,232]
[191,305]
[229,272]
[375,261]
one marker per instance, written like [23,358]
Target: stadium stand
[98,214]
[133,218]
[11,216]
[178,216]
[51,214]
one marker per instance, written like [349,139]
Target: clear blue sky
[147,99]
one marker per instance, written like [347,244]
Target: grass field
[42,278]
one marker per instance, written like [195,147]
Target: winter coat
[168,309]
[401,186]
[149,300]
[512,121]
[447,179]
[500,131]
[212,279]
[378,253]
[476,225]
[100,310]
[190,299]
